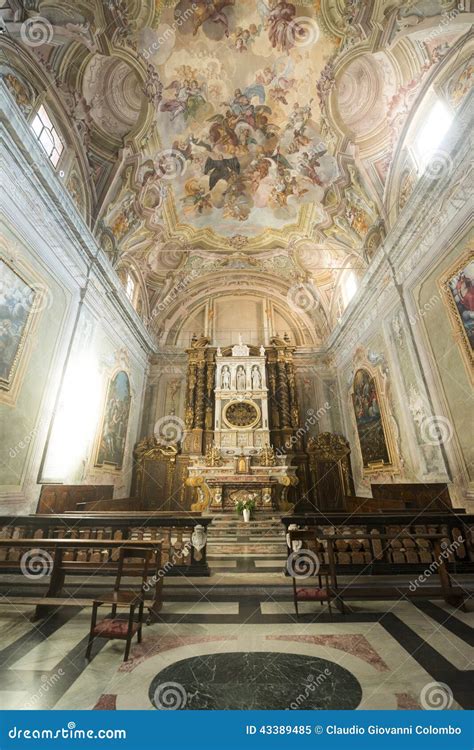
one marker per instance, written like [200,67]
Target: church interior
[236,355]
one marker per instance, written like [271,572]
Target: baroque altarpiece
[240,438]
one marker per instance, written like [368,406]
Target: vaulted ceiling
[251,137]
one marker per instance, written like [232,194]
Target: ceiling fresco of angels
[238,116]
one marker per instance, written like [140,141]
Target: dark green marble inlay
[259,680]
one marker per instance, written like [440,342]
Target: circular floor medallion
[257,681]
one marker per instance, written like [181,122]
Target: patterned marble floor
[247,649]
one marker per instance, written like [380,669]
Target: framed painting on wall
[113,433]
[17,309]
[369,419]
[457,287]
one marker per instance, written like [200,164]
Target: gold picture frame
[451,286]
[113,433]
[386,461]
[23,285]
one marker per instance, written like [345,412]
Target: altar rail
[360,549]
[180,553]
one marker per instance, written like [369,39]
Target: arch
[177,308]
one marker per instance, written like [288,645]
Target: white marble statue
[256,378]
[241,379]
[225,378]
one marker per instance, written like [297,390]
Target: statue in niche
[225,378]
[256,378]
[241,378]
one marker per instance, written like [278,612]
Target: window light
[432,131]
[47,135]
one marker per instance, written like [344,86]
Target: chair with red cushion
[113,627]
[308,552]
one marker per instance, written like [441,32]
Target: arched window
[430,132]
[349,287]
[47,135]
[130,286]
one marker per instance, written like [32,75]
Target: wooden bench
[430,496]
[358,532]
[58,498]
[61,566]
[413,589]
[181,540]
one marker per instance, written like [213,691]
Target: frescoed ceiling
[239,121]
[256,129]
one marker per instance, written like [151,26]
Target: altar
[240,463]
[222,482]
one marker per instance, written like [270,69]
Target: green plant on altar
[242,505]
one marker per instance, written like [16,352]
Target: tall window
[47,135]
[431,132]
[130,287]
[349,287]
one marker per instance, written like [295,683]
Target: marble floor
[239,645]
[233,641]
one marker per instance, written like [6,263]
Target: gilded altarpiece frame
[22,288]
[457,292]
[384,459]
[112,437]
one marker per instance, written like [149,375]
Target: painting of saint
[282,28]
[460,291]
[368,416]
[17,299]
[114,428]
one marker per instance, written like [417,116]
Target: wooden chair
[310,544]
[113,627]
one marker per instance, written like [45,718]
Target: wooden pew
[357,534]
[182,550]
[130,504]
[431,496]
[354,504]
[452,594]
[58,498]
[61,565]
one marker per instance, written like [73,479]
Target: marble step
[245,549]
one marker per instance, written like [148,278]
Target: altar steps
[253,545]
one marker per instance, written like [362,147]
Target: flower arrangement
[242,505]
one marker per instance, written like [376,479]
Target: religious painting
[114,427]
[17,307]
[239,112]
[458,292]
[369,420]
